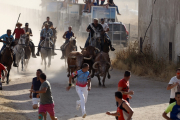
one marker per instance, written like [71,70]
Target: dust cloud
[31,13]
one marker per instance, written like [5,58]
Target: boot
[39,49]
[111,47]
[14,61]
[62,55]
[33,50]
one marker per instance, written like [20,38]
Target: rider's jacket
[5,36]
[44,31]
[69,34]
[28,30]
[98,28]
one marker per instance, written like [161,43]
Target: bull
[102,66]
[75,60]
[90,52]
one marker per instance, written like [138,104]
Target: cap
[26,24]
[102,19]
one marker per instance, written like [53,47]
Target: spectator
[93,3]
[111,4]
[174,86]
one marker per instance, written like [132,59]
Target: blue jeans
[3,47]
[116,8]
[102,2]
[87,42]
[97,2]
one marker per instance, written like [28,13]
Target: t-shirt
[123,113]
[18,32]
[175,111]
[2,68]
[98,28]
[125,87]
[49,22]
[46,98]
[36,85]
[175,89]
[105,26]
[82,78]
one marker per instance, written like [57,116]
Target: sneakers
[77,105]
[84,116]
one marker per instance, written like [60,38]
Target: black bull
[102,65]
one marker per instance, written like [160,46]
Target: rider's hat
[96,19]
[46,23]
[18,23]
[102,19]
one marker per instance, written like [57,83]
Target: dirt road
[150,99]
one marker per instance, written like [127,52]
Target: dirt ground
[149,101]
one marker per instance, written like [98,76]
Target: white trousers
[83,94]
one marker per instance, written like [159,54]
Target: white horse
[19,51]
[46,50]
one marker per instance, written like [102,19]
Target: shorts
[35,101]
[47,108]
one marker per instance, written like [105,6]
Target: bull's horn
[72,56]
[81,48]
[95,65]
[88,58]
[97,49]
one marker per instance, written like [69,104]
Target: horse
[71,46]
[27,51]
[19,51]
[7,57]
[95,41]
[46,50]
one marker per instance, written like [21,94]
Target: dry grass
[7,111]
[144,64]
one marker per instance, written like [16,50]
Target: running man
[83,79]
[123,86]
[174,86]
[2,68]
[46,99]
[124,111]
[174,109]
[36,83]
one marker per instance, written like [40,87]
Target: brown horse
[27,51]
[7,58]
[71,46]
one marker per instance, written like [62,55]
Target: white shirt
[175,89]
[105,26]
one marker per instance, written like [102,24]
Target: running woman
[174,86]
[174,109]
[36,83]
[83,79]
[124,111]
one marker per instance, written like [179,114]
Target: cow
[102,65]
[75,60]
[90,52]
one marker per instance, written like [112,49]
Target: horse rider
[43,36]
[49,22]
[18,32]
[106,29]
[4,37]
[92,28]
[28,30]
[67,35]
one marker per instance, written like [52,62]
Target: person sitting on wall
[111,4]
[93,3]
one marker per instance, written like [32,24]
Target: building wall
[165,26]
